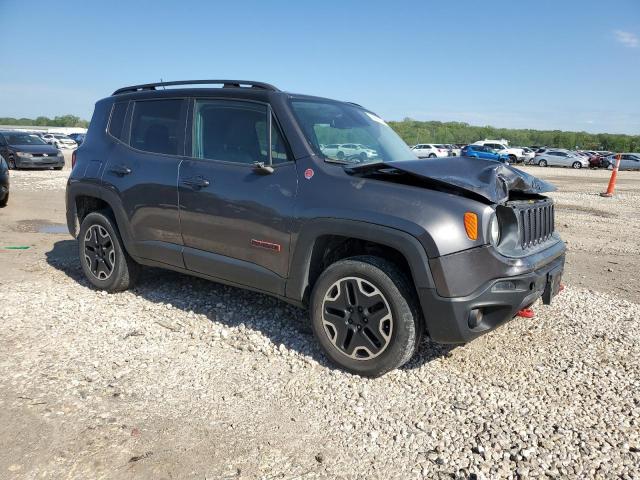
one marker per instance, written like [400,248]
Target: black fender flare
[77,189]
[403,242]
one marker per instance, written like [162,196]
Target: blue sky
[571,65]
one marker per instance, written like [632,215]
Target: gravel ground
[183,378]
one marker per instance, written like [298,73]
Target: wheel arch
[324,241]
[83,199]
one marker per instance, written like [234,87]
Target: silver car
[628,161]
[561,158]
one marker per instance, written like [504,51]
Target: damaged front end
[491,181]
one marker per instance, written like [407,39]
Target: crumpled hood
[487,178]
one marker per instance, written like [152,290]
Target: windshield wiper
[335,160]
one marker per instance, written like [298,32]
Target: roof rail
[224,83]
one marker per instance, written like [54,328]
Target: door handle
[196,182]
[120,170]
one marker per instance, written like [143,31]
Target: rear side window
[156,126]
[116,122]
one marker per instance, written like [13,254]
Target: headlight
[495,230]
[24,154]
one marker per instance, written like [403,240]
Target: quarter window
[156,126]
[116,122]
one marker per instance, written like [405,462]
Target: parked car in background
[430,150]
[481,151]
[77,137]
[59,140]
[529,155]
[26,150]
[628,161]
[4,182]
[561,158]
[454,150]
[349,151]
[515,154]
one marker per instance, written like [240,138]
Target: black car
[4,182]
[28,150]
[77,137]
[238,185]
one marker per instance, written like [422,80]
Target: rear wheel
[432,155]
[340,155]
[364,315]
[104,260]
[576,165]
[4,201]
[542,163]
[11,163]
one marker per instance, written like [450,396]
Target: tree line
[413,132]
[61,121]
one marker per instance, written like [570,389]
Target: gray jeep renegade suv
[316,202]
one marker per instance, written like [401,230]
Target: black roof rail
[224,83]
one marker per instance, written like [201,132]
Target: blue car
[480,151]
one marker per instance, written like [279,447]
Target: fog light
[475,318]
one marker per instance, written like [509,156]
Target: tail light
[73,159]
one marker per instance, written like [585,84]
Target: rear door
[142,169]
[236,220]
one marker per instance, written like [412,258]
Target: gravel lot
[182,378]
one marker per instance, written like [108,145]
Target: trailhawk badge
[308,173]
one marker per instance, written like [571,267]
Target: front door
[236,218]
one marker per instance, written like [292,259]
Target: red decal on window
[308,173]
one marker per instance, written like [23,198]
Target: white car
[430,150]
[515,154]
[59,140]
[562,158]
[529,155]
[348,151]
[628,161]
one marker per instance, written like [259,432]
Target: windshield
[349,134]
[23,139]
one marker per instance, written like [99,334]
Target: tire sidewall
[404,331]
[111,283]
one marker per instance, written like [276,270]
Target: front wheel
[432,155]
[4,201]
[542,163]
[11,163]
[576,165]
[104,260]
[364,315]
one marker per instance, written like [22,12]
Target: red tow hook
[526,313]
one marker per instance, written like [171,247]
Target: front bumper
[39,162]
[460,319]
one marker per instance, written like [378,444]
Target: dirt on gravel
[183,378]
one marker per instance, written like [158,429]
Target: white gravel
[182,378]
[557,395]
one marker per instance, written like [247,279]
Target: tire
[513,159]
[340,155]
[432,155]
[542,163]
[576,165]
[363,157]
[57,168]
[110,268]
[4,201]
[342,298]
[11,163]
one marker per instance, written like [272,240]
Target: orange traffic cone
[612,180]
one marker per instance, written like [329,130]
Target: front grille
[536,221]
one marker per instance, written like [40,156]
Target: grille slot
[537,222]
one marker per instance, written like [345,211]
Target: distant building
[45,129]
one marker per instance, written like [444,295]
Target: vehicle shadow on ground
[280,322]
